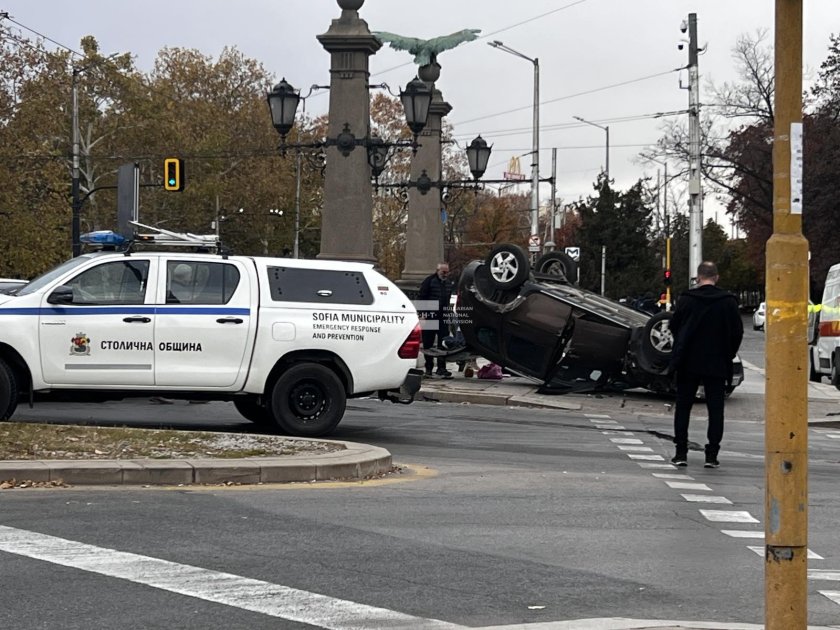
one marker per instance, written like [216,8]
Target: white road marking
[725,516]
[617,433]
[596,415]
[672,476]
[680,485]
[657,466]
[626,441]
[638,449]
[705,498]
[617,427]
[645,457]
[742,533]
[824,574]
[832,595]
[835,436]
[214,586]
[760,551]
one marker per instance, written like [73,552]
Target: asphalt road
[502,516]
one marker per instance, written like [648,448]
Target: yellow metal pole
[786,359]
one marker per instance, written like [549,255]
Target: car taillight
[410,349]
[830,328]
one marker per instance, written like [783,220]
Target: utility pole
[75,225]
[535,165]
[786,356]
[695,197]
[553,195]
[603,267]
[296,248]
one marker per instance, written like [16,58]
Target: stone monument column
[424,228]
[347,216]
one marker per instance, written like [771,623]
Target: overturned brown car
[536,323]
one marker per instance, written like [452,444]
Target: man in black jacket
[438,289]
[707,332]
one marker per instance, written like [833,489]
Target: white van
[824,348]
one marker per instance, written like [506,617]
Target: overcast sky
[583,47]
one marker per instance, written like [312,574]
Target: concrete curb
[355,461]
[523,397]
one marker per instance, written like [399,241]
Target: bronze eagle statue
[425,51]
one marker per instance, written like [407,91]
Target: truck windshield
[46,278]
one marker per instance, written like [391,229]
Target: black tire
[813,375]
[8,391]
[508,266]
[835,372]
[657,340]
[253,411]
[308,400]
[558,264]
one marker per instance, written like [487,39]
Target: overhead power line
[568,96]
[42,36]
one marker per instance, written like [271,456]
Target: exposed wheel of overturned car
[557,264]
[658,341]
[508,265]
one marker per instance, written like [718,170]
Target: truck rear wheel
[308,400]
[8,391]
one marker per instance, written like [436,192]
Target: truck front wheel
[256,413]
[8,391]
[308,400]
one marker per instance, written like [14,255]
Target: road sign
[573,253]
[534,243]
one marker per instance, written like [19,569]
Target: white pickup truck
[286,340]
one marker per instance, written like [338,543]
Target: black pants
[715,388]
[431,338]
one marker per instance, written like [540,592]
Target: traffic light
[173,174]
[667,277]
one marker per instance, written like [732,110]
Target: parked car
[9,286]
[759,316]
[540,325]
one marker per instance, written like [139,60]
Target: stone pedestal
[347,215]
[424,229]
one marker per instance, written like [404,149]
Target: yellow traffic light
[173,174]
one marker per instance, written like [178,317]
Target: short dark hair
[707,269]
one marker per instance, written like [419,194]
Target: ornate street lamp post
[347,214]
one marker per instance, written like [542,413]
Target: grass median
[37,441]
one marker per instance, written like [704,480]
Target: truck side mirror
[61,295]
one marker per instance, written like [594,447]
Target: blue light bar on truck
[102,237]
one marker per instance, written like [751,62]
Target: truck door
[204,324]
[95,329]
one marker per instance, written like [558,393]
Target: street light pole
[75,226]
[535,140]
[605,129]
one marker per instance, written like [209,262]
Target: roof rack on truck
[109,240]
